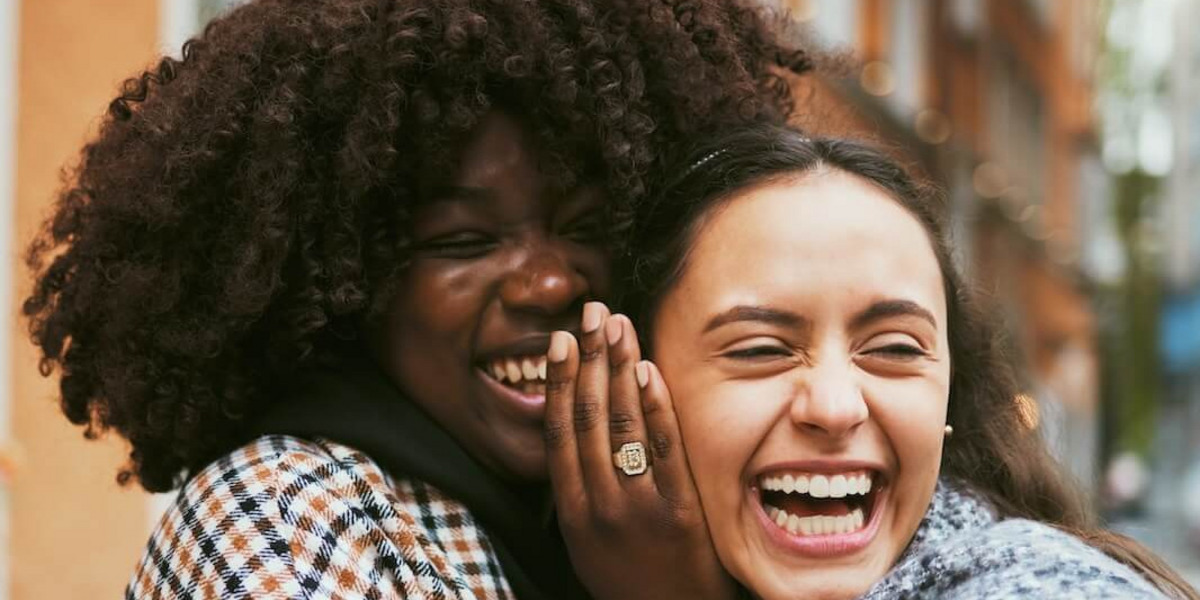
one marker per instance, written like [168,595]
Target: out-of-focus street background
[1066,134]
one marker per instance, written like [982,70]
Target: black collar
[354,404]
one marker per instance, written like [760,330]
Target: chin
[525,465]
[814,580]
[816,588]
[838,591]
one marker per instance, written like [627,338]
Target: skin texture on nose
[500,259]
[544,283]
[833,405]
[808,325]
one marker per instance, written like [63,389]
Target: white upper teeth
[820,486]
[516,370]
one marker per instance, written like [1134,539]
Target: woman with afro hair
[310,271]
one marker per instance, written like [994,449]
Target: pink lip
[527,406]
[531,345]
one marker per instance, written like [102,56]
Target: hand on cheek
[626,502]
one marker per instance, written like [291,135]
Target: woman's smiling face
[805,347]
[501,257]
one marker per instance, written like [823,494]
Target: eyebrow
[892,308]
[452,193]
[775,316]
[760,314]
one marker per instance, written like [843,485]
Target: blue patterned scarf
[963,549]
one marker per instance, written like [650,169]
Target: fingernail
[592,315]
[642,371]
[613,330]
[559,341]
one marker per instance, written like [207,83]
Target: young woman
[849,423]
[309,272]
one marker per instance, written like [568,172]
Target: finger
[671,472]
[625,422]
[562,455]
[591,403]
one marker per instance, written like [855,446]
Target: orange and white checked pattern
[289,518]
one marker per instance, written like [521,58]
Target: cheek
[723,425]
[426,337]
[912,416]
[595,265]
[437,302]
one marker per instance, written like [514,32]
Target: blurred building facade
[1177,451]
[1180,223]
[992,98]
[66,529]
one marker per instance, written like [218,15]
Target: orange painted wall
[75,533]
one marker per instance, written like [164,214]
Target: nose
[829,402]
[544,281]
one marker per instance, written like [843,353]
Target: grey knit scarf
[963,549]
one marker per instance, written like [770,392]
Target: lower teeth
[817,524]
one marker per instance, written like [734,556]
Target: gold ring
[631,458]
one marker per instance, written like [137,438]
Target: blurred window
[837,22]
[1194,101]
[180,20]
[909,32]
[1083,30]
[1016,128]
[210,9]
[1042,9]
[1194,149]
[966,15]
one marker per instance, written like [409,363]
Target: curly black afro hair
[241,208]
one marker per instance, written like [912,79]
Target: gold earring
[949,430]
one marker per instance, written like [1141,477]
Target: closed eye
[458,245]
[758,353]
[900,351]
[587,229]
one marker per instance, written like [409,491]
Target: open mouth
[819,504]
[523,374]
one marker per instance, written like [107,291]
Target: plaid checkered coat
[289,518]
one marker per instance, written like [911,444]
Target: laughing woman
[849,422]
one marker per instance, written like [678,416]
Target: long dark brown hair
[993,449]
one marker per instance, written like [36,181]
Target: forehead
[825,232]
[500,143]
[498,168]
[504,153]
